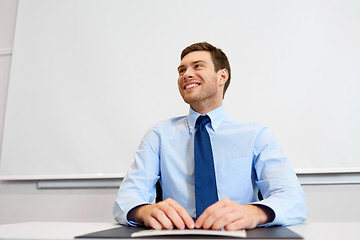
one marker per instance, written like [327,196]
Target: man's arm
[283,203]
[138,187]
[277,181]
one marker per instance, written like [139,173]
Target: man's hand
[231,216]
[165,214]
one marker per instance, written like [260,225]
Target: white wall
[21,201]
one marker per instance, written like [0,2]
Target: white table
[50,230]
[68,230]
[328,230]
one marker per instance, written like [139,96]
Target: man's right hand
[165,214]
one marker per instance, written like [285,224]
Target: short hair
[219,58]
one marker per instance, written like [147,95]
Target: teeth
[192,85]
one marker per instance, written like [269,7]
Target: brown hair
[219,58]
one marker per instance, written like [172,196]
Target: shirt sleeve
[139,185]
[277,182]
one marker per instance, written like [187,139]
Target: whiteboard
[90,77]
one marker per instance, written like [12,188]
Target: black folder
[257,233]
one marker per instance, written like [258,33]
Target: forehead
[196,56]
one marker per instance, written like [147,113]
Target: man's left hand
[231,216]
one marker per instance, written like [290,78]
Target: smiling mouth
[191,85]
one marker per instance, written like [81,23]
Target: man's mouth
[191,85]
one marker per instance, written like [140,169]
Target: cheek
[179,82]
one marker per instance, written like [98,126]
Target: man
[244,158]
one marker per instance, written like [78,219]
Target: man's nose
[189,73]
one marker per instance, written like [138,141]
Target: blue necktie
[205,182]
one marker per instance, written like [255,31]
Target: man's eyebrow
[198,61]
[179,67]
[195,62]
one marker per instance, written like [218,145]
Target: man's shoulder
[244,125]
[170,123]
[164,128]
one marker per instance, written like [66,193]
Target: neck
[204,108]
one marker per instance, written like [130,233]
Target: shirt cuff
[268,211]
[133,223]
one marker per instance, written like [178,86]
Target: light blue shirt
[246,158]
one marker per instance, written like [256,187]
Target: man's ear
[223,76]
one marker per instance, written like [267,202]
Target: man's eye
[197,66]
[181,71]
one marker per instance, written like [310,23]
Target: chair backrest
[159,195]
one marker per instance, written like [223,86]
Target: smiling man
[200,84]
[210,166]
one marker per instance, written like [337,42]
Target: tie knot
[202,121]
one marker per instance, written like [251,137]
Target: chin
[190,101]
[187,100]
[190,98]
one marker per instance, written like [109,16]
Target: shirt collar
[216,116]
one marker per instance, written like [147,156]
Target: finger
[245,218]
[183,214]
[224,220]
[219,218]
[162,218]
[189,222]
[240,224]
[236,225]
[208,211]
[153,223]
[173,215]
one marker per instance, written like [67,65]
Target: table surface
[68,230]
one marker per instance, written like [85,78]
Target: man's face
[198,82]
